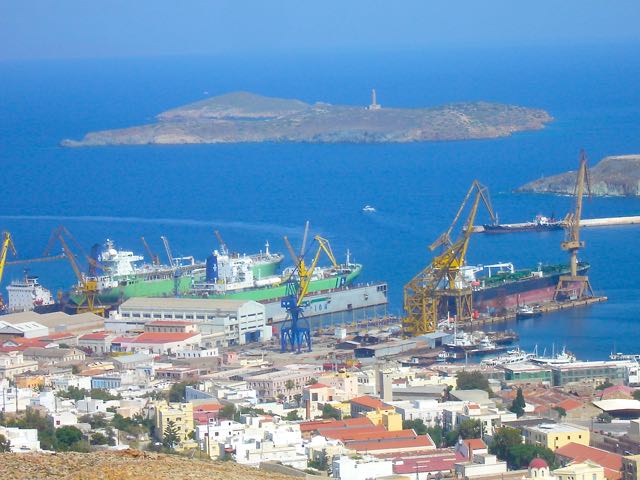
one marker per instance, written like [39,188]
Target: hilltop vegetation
[245,117]
[617,176]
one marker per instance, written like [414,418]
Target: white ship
[511,357]
[561,358]
[27,294]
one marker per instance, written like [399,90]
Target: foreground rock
[128,464]
[613,176]
[245,117]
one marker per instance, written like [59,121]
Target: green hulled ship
[126,275]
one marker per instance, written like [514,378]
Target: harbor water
[258,192]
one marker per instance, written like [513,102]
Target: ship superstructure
[27,294]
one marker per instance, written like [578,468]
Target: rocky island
[613,176]
[246,117]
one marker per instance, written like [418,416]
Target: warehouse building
[240,321]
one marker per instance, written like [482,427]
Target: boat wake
[250,226]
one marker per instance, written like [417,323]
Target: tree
[521,455]
[416,425]
[605,384]
[436,434]
[473,381]
[99,439]
[171,435]
[5,444]
[503,440]
[470,429]
[312,381]
[561,411]
[228,411]
[67,436]
[330,412]
[293,416]
[636,394]
[298,398]
[604,417]
[177,392]
[518,404]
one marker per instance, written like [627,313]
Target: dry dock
[586,222]
[544,308]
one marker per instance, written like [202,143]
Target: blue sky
[126,28]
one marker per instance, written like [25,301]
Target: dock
[544,308]
[586,222]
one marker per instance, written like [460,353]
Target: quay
[544,308]
[585,222]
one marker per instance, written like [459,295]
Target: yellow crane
[298,283]
[7,244]
[87,286]
[575,286]
[440,287]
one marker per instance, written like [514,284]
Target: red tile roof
[170,322]
[569,404]
[58,336]
[611,462]
[436,461]
[316,385]
[360,433]
[380,445]
[208,407]
[370,402]
[95,336]
[475,443]
[334,424]
[162,337]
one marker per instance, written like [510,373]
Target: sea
[253,193]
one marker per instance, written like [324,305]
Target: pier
[586,222]
[544,308]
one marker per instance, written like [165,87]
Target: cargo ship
[233,277]
[27,294]
[126,275]
[539,224]
[500,287]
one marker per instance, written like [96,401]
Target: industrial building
[240,321]
[614,372]
[386,349]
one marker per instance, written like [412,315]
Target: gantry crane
[440,286]
[155,259]
[7,244]
[87,286]
[297,288]
[575,286]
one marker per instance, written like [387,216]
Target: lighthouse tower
[374,102]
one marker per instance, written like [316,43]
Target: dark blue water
[253,193]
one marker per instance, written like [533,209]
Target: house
[180,415]
[14,363]
[360,468]
[481,465]
[585,470]
[54,355]
[97,342]
[158,343]
[21,439]
[555,435]
[577,453]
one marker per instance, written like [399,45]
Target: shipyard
[320,240]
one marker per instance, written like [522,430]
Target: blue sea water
[258,192]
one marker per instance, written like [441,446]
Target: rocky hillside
[612,176]
[245,117]
[128,464]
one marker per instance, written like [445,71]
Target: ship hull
[509,295]
[522,228]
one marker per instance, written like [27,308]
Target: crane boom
[7,244]
[440,285]
[155,260]
[167,249]
[223,246]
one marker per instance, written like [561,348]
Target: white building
[482,465]
[90,406]
[200,353]
[21,439]
[23,329]
[241,321]
[14,363]
[63,419]
[217,434]
[362,468]
[13,400]
[158,343]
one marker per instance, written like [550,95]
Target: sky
[35,29]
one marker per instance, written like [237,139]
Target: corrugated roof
[376,445]
[370,402]
[208,304]
[95,336]
[163,337]
[334,424]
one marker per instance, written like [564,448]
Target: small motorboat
[527,311]
[368,209]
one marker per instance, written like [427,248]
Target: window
[146,315]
